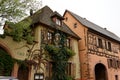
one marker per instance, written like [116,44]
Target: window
[58,22]
[115,48]
[75,25]
[49,37]
[70,70]
[105,44]
[100,43]
[113,63]
[66,19]
[109,46]
[110,63]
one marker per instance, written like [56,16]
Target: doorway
[100,72]
[23,72]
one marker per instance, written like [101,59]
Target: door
[23,72]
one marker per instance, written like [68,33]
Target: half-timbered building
[99,49]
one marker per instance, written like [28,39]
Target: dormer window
[57,18]
[58,22]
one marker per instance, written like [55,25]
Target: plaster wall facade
[18,51]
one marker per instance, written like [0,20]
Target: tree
[14,10]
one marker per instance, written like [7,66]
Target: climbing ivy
[19,31]
[60,56]
[6,63]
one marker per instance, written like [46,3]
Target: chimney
[31,12]
[105,28]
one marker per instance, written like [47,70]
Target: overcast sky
[105,13]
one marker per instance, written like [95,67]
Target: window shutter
[73,69]
[107,45]
[108,61]
[103,43]
[113,63]
[118,64]
[97,41]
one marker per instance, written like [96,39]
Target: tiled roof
[57,14]
[44,16]
[95,27]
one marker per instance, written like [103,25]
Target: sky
[105,13]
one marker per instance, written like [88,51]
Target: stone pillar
[15,70]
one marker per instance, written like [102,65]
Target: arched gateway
[100,72]
[6,62]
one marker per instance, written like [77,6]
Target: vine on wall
[59,55]
[19,31]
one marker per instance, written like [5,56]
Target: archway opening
[100,72]
[6,63]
